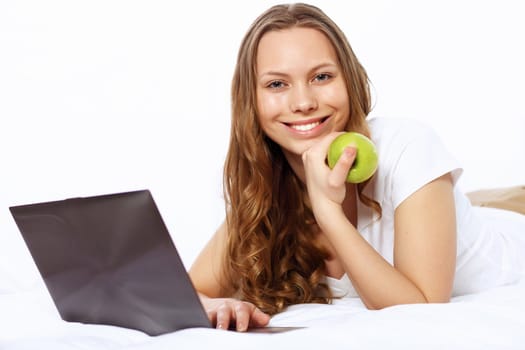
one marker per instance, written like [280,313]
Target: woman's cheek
[271,105]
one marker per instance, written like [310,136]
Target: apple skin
[365,163]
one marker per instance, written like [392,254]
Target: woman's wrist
[328,215]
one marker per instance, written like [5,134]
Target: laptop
[110,260]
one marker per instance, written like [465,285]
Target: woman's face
[301,92]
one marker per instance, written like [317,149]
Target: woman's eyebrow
[283,74]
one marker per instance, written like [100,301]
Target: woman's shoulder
[411,154]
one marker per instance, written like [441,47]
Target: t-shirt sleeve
[422,158]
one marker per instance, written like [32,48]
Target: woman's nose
[303,99]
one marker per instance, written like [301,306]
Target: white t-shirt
[490,243]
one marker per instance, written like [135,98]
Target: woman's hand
[326,186]
[225,313]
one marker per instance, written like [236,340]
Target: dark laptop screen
[110,260]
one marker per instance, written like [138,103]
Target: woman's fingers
[259,318]
[342,167]
[326,186]
[248,315]
[223,316]
[242,314]
[319,151]
[239,315]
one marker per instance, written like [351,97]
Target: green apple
[365,163]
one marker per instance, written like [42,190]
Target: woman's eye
[276,84]
[322,77]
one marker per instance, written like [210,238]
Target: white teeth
[305,127]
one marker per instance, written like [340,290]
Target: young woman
[295,231]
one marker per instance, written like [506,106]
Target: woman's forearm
[378,283]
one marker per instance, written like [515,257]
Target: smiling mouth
[307,126]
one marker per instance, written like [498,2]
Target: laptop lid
[109,259]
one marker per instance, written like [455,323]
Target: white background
[108,96]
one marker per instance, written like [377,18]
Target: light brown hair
[272,258]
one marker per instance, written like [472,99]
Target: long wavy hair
[273,258]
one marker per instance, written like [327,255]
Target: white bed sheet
[490,320]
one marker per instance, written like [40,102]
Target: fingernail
[350,151]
